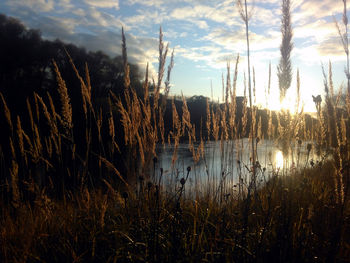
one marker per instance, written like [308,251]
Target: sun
[287,104]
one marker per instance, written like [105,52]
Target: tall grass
[65,196]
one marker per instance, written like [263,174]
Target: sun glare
[279,160]
[288,104]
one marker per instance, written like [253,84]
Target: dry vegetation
[63,198]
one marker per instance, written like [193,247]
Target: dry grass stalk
[14,182]
[345,41]
[30,113]
[188,127]
[270,129]
[228,83]
[12,148]
[126,122]
[215,115]
[37,112]
[20,136]
[208,119]
[111,128]
[111,167]
[53,109]
[6,112]
[223,87]
[28,141]
[125,61]
[259,132]
[269,82]
[233,105]
[298,92]
[245,116]
[348,104]
[66,108]
[162,58]
[88,81]
[330,80]
[223,126]
[161,126]
[176,133]
[254,86]
[49,119]
[85,89]
[167,81]
[146,87]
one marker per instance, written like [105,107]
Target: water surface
[227,164]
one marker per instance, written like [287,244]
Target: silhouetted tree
[26,66]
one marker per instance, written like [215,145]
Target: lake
[227,165]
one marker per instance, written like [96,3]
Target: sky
[205,35]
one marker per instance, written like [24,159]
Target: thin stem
[250,86]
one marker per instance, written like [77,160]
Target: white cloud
[265,17]
[64,5]
[79,12]
[221,13]
[318,30]
[307,11]
[145,18]
[38,5]
[236,40]
[103,3]
[332,48]
[153,3]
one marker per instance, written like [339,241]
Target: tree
[26,67]
[284,69]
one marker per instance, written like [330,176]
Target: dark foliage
[26,65]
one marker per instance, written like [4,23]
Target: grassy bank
[291,219]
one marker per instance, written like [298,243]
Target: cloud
[65,5]
[331,48]
[39,5]
[221,13]
[145,18]
[94,17]
[103,3]
[149,3]
[236,40]
[263,16]
[319,30]
[307,11]
[171,33]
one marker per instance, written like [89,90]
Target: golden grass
[68,201]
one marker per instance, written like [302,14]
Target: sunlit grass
[66,200]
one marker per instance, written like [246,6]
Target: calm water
[226,164]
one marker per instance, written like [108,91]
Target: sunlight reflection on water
[228,164]
[279,160]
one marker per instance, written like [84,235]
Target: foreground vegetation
[80,180]
[292,219]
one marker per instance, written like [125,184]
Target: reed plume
[66,108]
